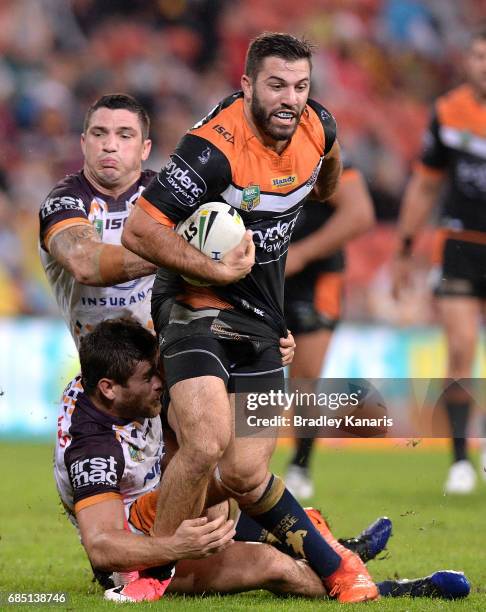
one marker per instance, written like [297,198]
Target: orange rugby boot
[351,582]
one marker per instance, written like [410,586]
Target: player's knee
[243,479]
[204,455]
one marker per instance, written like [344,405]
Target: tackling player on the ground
[263,151]
[109,460]
[454,157]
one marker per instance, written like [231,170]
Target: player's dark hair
[275,44]
[113,349]
[478,33]
[116,101]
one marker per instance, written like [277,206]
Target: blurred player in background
[454,158]
[313,290]
[81,220]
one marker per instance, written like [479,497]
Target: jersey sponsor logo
[115,301]
[250,197]
[61,203]
[272,239]
[95,470]
[283,181]
[187,186]
[228,136]
[205,155]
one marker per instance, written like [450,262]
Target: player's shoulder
[89,426]
[74,185]
[320,113]
[454,102]
[222,126]
[321,122]
[70,195]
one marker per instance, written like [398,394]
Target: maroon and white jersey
[100,457]
[75,201]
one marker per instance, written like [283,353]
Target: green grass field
[39,550]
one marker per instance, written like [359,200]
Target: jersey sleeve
[95,465]
[197,172]
[328,124]
[434,153]
[65,206]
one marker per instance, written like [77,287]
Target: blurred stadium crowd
[379,65]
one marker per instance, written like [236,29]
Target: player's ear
[83,139]
[246,85]
[146,148]
[106,387]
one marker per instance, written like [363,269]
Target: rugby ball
[214,229]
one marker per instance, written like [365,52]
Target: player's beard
[136,407]
[263,119]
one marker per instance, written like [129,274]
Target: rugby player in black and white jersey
[92,275]
[109,460]
[263,151]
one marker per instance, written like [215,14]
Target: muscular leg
[263,496]
[202,412]
[245,567]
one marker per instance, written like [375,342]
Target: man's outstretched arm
[90,261]
[110,547]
